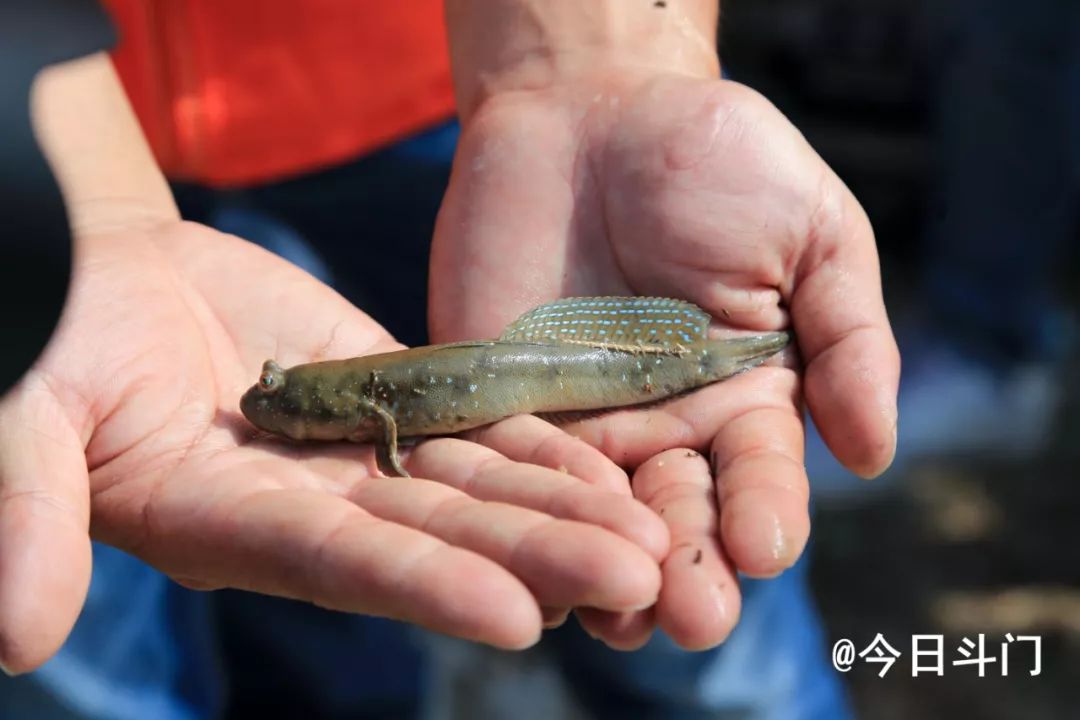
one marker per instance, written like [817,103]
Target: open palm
[129,426]
[698,189]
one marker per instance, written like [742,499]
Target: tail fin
[734,355]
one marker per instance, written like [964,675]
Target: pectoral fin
[386,452]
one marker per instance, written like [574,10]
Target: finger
[527,438]
[764,522]
[630,437]
[761,483]
[45,552]
[699,600]
[624,631]
[234,526]
[486,475]
[564,563]
[852,361]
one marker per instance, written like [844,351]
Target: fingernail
[555,620]
[892,450]
[766,548]
[781,548]
[6,671]
[720,602]
[894,415]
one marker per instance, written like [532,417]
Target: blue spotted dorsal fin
[660,323]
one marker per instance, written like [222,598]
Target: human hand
[129,427]
[633,181]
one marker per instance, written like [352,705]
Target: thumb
[504,238]
[44,521]
[852,362]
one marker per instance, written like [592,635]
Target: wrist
[94,145]
[505,46]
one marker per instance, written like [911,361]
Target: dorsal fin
[622,321]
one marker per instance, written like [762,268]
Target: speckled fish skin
[443,389]
[571,355]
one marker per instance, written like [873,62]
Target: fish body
[580,354]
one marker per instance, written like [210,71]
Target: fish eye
[267,382]
[272,377]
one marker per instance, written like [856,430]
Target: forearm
[501,45]
[95,147]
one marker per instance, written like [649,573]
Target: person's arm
[88,131]
[35,240]
[506,45]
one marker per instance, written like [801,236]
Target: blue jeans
[772,667]
[143,648]
[146,648]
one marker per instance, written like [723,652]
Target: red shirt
[234,92]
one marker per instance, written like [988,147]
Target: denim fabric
[143,648]
[772,667]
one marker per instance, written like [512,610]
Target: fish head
[272,406]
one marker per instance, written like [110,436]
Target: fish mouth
[255,407]
[247,404]
[266,412]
